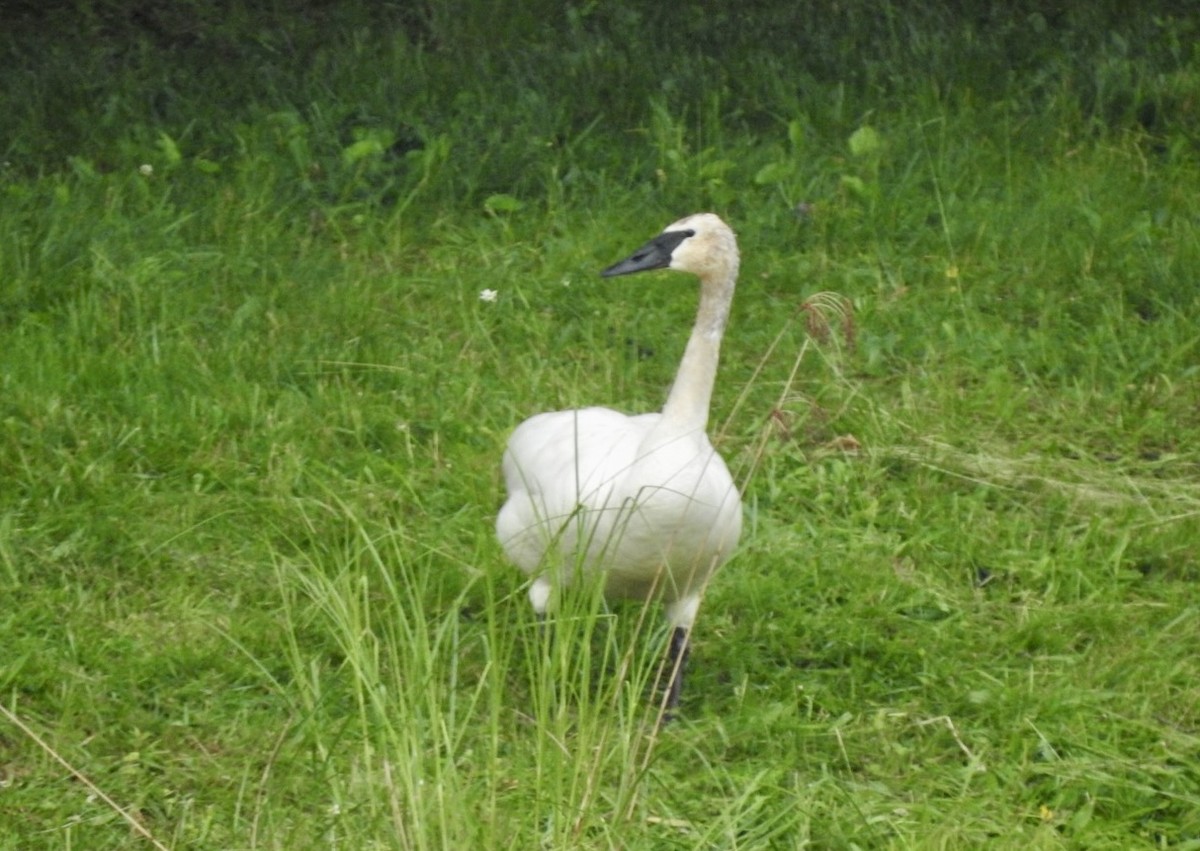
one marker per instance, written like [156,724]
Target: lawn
[276,284]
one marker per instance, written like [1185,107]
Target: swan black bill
[655,254]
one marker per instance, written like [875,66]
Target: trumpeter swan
[645,499]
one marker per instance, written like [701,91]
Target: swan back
[603,490]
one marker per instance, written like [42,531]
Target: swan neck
[691,395]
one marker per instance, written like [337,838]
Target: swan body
[644,499]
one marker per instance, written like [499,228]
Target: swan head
[701,244]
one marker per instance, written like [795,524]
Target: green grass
[252,409]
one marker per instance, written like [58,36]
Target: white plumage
[646,499]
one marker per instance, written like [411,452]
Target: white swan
[645,499]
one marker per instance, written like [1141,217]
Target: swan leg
[681,614]
[539,596]
[677,654]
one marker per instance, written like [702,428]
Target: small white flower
[488,295]
[145,169]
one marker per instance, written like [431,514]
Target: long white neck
[691,394]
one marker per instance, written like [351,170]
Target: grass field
[252,406]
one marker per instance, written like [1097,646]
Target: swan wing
[563,465]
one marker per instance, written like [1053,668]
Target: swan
[644,499]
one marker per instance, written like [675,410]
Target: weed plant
[276,283]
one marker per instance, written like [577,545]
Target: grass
[252,406]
